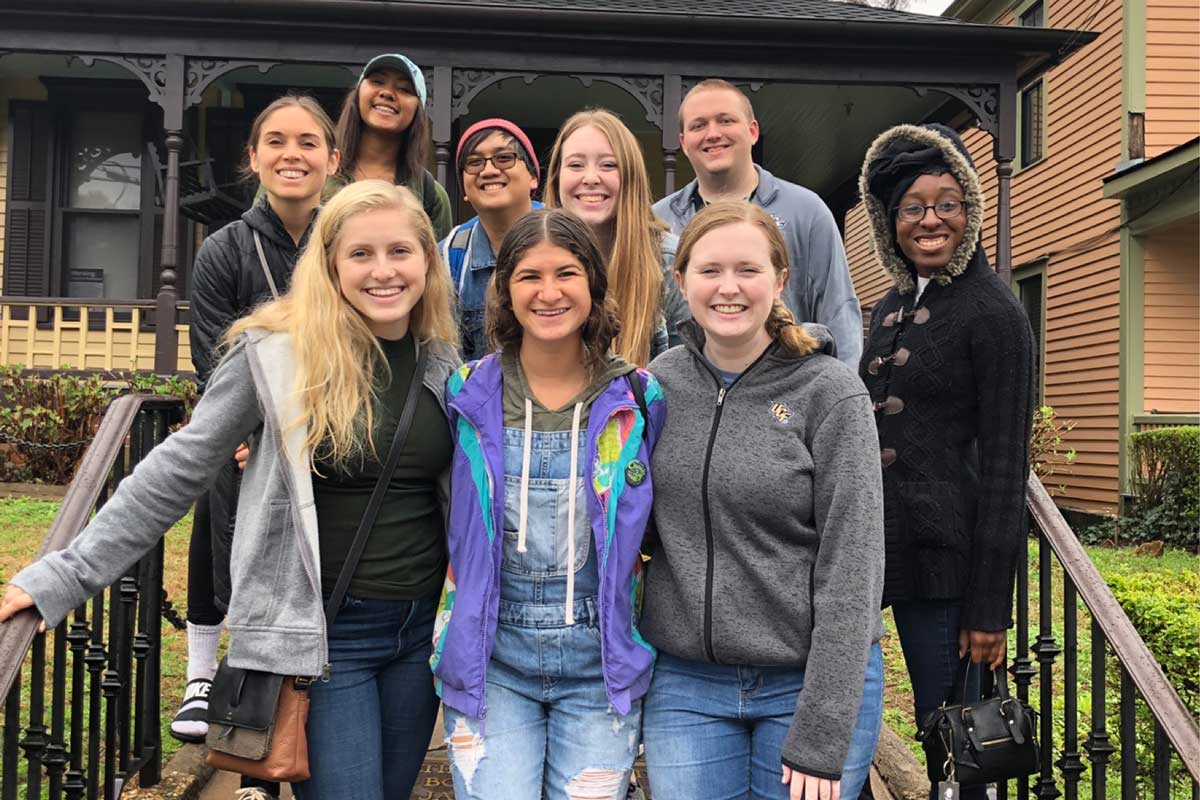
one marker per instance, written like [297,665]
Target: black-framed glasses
[503,161]
[945,209]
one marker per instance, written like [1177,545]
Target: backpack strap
[639,397]
[455,253]
[428,193]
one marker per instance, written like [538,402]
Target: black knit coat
[952,379]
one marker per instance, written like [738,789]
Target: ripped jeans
[549,732]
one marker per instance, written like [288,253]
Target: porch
[97,101]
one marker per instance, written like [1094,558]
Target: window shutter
[26,240]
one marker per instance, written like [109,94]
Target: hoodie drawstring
[525,447]
[572,486]
[571,515]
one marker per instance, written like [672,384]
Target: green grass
[1109,561]
[23,525]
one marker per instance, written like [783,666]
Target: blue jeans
[717,731]
[928,631]
[549,732]
[369,725]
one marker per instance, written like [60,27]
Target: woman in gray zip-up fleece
[764,586]
[315,381]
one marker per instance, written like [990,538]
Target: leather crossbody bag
[256,719]
[984,741]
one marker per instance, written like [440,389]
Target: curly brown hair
[561,229]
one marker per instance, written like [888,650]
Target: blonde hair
[338,360]
[781,324]
[635,267]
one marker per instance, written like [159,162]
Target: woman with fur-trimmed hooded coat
[949,363]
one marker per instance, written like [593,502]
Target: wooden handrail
[1164,702]
[92,474]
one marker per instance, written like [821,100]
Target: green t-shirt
[405,556]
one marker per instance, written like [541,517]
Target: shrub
[1166,480]
[1046,455]
[47,422]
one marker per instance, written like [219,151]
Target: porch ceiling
[817,40]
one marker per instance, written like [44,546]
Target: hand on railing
[985,647]
[15,601]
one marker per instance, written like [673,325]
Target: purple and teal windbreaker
[619,505]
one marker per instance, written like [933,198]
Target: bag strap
[456,255]
[639,397]
[262,259]
[376,501]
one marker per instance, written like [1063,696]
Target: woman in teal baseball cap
[383,132]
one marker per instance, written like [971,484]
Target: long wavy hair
[635,267]
[414,142]
[781,324]
[339,362]
[565,230]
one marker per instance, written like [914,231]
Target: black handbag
[988,740]
[257,719]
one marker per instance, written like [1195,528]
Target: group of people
[653,490]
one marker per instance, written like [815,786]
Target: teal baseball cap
[402,63]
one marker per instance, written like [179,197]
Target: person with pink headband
[499,171]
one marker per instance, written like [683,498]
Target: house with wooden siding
[1105,219]
[122,123]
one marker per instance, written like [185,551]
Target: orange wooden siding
[1172,74]
[1172,292]
[870,281]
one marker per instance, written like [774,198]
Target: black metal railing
[104,723]
[1118,657]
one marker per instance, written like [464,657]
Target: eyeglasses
[503,161]
[946,209]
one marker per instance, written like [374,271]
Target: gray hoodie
[819,289]
[276,619]
[770,531]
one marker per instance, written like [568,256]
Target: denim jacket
[617,462]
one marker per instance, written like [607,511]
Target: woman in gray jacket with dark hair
[764,584]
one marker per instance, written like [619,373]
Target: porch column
[441,114]
[1004,149]
[166,340]
[672,97]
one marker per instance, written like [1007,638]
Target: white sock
[202,650]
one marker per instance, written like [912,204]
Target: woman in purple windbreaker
[536,651]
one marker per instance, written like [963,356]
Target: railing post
[79,635]
[1099,745]
[1128,736]
[34,743]
[9,745]
[1069,763]
[1047,650]
[56,753]
[166,340]
[1162,764]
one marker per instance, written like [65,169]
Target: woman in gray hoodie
[765,579]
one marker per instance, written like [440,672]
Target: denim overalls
[549,730]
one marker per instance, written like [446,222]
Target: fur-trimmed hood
[883,232]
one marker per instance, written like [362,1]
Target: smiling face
[551,297]
[387,100]
[381,269]
[291,157]
[730,286]
[495,189]
[589,183]
[718,131]
[930,243]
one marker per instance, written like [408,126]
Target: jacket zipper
[708,533]
[709,542]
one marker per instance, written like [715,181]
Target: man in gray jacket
[717,129]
